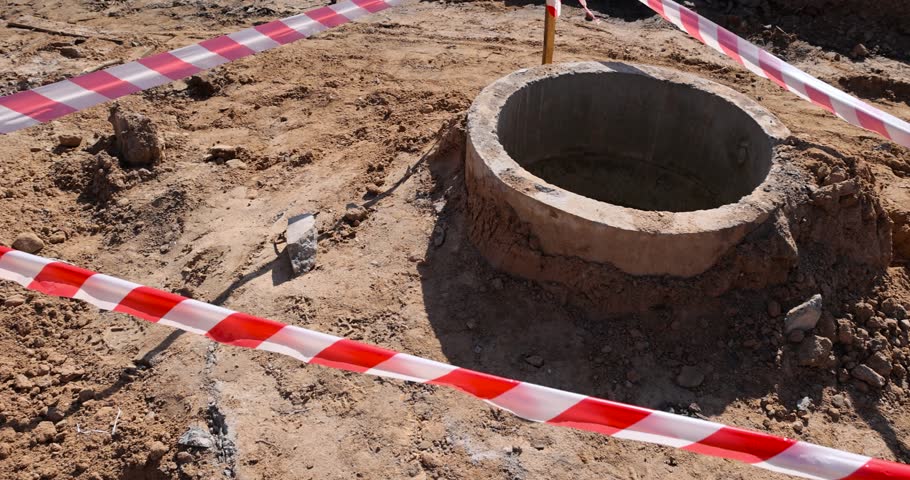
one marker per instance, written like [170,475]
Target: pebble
[355,214]
[881,364]
[184,457]
[45,432]
[21,382]
[56,238]
[863,311]
[235,164]
[28,242]
[804,404]
[5,450]
[860,51]
[69,141]
[838,401]
[71,52]
[690,377]
[844,331]
[136,138]
[86,394]
[534,360]
[804,316]
[834,413]
[157,450]
[866,374]
[14,301]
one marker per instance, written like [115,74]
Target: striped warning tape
[46,103]
[766,65]
[529,401]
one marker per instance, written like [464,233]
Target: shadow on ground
[489,321]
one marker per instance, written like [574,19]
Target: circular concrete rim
[483,138]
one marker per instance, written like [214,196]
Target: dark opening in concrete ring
[654,171]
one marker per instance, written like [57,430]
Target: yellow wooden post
[549,34]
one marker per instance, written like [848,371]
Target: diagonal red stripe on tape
[771,67]
[371,6]
[105,84]
[602,416]
[148,303]
[742,445]
[279,32]
[244,330]
[728,43]
[326,16]
[4,250]
[869,122]
[169,66]
[878,469]
[36,106]
[60,279]
[690,22]
[478,384]
[658,7]
[227,47]
[350,355]
[819,98]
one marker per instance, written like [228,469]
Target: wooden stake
[549,36]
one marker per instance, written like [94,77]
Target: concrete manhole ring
[650,170]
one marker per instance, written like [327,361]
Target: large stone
[136,138]
[867,375]
[881,364]
[814,351]
[197,438]
[804,317]
[28,242]
[302,238]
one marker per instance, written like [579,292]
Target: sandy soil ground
[368,113]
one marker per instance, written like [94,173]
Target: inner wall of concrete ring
[678,121]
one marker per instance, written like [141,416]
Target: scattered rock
[69,140]
[14,301]
[804,317]
[881,364]
[70,52]
[56,238]
[302,238]
[859,51]
[28,242]
[690,377]
[839,401]
[22,383]
[844,331]
[136,138]
[876,323]
[235,164]
[5,451]
[54,414]
[157,450]
[86,394]
[45,432]
[439,236]
[866,374]
[184,457]
[814,351]
[354,214]
[834,413]
[804,404]
[197,438]
[534,360]
[863,312]
[222,153]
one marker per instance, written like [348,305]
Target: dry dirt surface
[370,113]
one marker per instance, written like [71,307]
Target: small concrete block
[302,236]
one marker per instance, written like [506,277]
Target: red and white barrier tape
[46,103]
[529,401]
[763,64]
